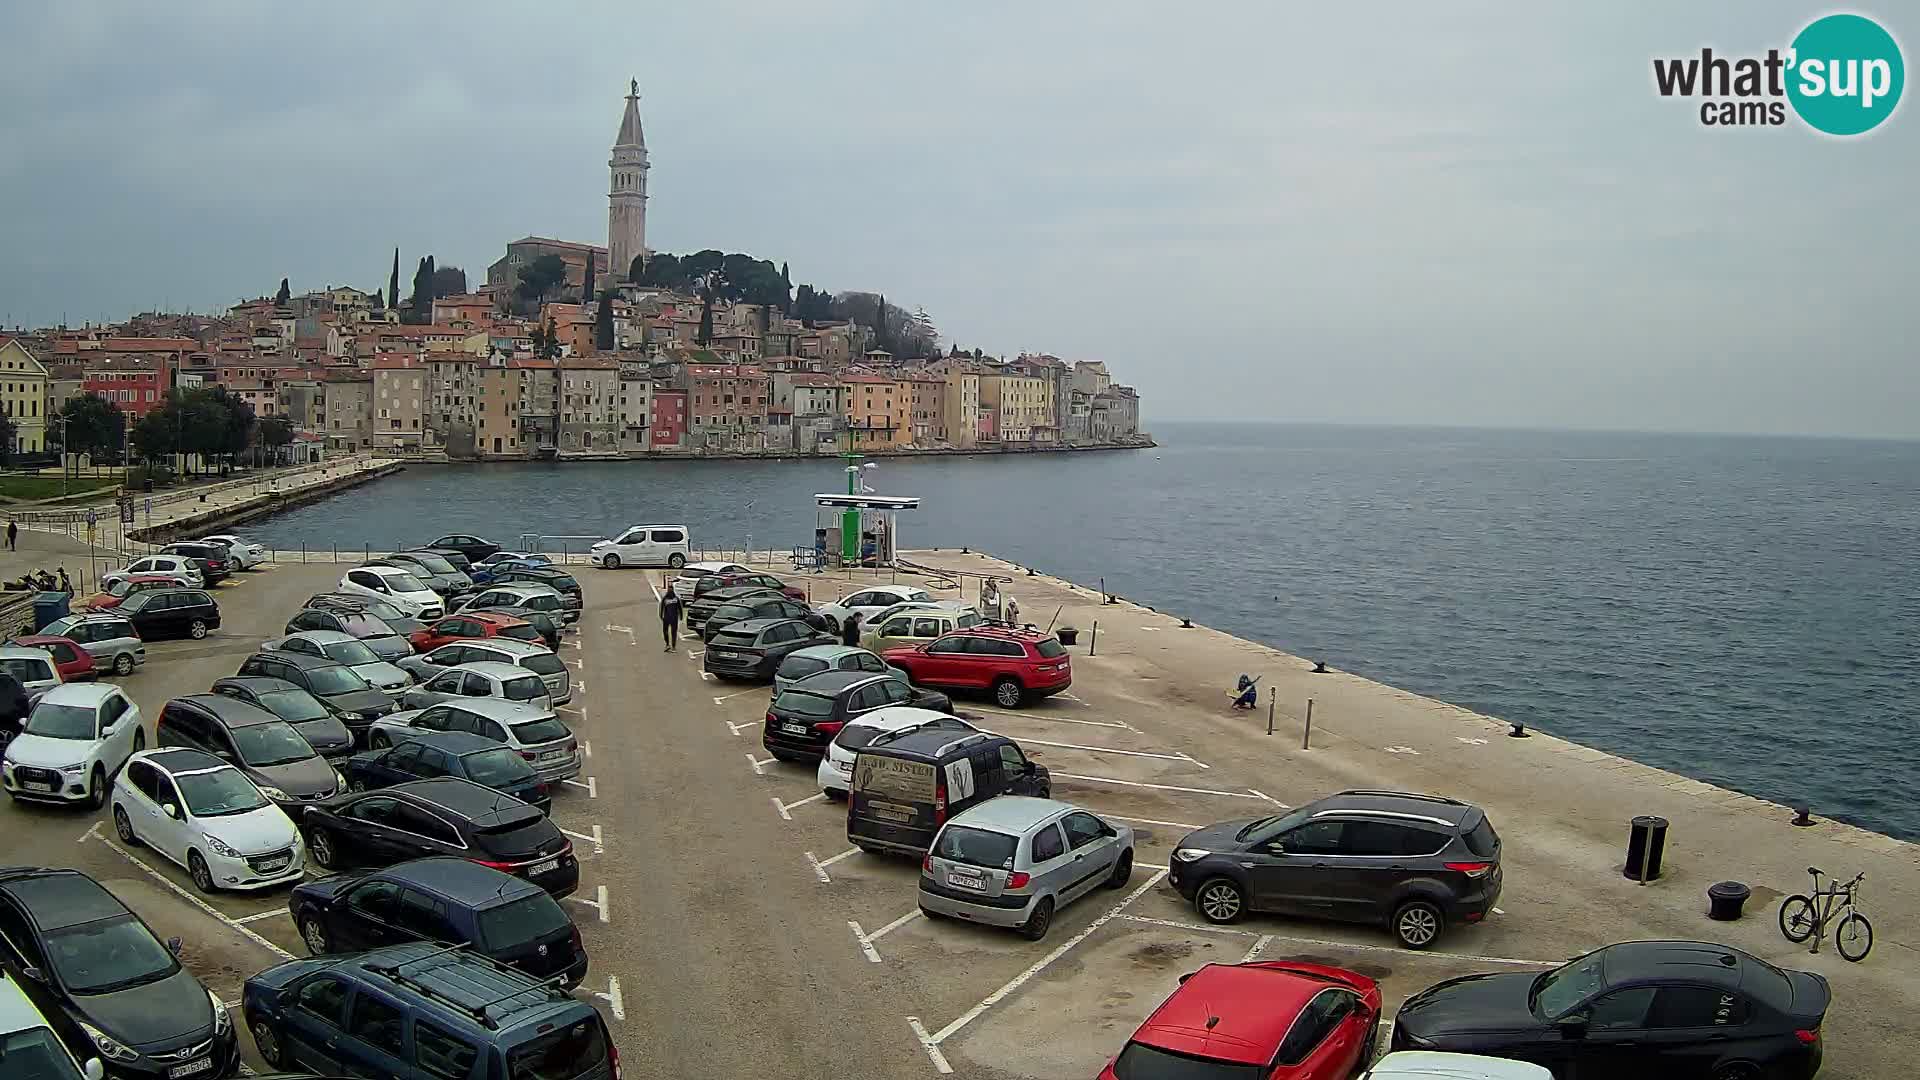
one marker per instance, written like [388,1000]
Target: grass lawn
[30,486]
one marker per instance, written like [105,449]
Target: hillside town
[571,350]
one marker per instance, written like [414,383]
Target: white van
[643,545]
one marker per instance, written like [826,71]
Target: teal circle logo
[1846,75]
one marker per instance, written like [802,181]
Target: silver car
[111,640]
[32,668]
[815,659]
[535,658]
[348,650]
[482,679]
[542,739]
[1015,861]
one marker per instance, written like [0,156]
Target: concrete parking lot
[734,931]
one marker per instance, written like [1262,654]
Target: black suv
[160,613]
[309,716]
[773,606]
[806,716]
[449,900]
[350,697]
[1417,863]
[450,753]
[753,649]
[443,816]
[270,751]
[704,604]
[214,560]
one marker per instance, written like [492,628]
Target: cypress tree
[393,283]
[284,294]
[603,324]
[586,284]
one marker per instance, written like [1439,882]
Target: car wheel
[676,560]
[1039,922]
[97,788]
[197,869]
[124,826]
[1122,870]
[833,625]
[314,933]
[611,562]
[1417,923]
[1220,901]
[197,629]
[267,1041]
[1006,691]
[379,740]
[123,665]
[1737,1070]
[834,794]
[356,785]
[320,846]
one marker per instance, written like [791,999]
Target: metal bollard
[1306,733]
[1273,695]
[303,552]
[1095,640]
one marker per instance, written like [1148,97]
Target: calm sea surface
[1742,610]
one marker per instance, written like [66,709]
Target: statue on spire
[633,87]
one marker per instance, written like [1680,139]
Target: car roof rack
[396,972]
[1404,795]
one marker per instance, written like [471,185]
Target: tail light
[829,727]
[1471,869]
[772,719]
[1808,1036]
[926,863]
[613,1058]
[528,755]
[1019,879]
[503,867]
[542,790]
[940,802]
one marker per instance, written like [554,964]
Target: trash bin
[1647,842]
[1725,899]
[47,607]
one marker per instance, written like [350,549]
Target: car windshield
[350,652]
[496,768]
[729,637]
[27,669]
[219,793]
[61,722]
[523,688]
[293,706]
[380,608]
[976,847]
[523,632]
[543,664]
[433,563]
[522,922]
[561,1055]
[1566,986]
[277,743]
[545,729]
[855,736]
[365,626]
[35,1054]
[401,581]
[335,680]
[1272,823]
[799,667]
[110,954]
[121,587]
[1142,1062]
[803,703]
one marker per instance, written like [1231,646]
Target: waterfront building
[627,190]
[23,395]
[729,406]
[138,384]
[1022,406]
[927,408]
[589,404]
[346,403]
[539,403]
[667,424]
[960,412]
[452,386]
[877,413]
[636,406]
[400,402]
[497,412]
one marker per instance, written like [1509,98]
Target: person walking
[13,536]
[850,630]
[669,619]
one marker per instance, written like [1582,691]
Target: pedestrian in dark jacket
[850,630]
[669,619]
[13,536]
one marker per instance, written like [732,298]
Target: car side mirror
[1572,1027]
[172,811]
[94,1069]
[34,973]
[173,945]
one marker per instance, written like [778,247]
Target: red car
[711,582]
[1276,1020]
[472,624]
[69,659]
[1014,664]
[109,598]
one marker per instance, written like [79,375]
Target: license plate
[273,865]
[966,881]
[48,788]
[794,729]
[545,867]
[722,654]
[553,755]
[191,1068]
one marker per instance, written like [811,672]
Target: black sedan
[1643,1008]
[449,753]
[473,547]
[105,983]
[753,649]
[311,717]
[442,816]
[806,716]
[775,606]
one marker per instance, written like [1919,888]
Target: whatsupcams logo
[1842,75]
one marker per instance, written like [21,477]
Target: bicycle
[1803,917]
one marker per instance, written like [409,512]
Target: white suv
[78,736]
[205,815]
[643,545]
[180,569]
[397,587]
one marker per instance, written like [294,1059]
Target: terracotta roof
[394,362]
[589,363]
[868,379]
[148,344]
[530,363]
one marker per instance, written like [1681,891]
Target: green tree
[422,299]
[448,281]
[156,436]
[90,424]
[8,433]
[284,294]
[586,282]
[393,283]
[539,277]
[275,433]
[603,324]
[549,348]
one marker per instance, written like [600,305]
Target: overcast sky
[1386,213]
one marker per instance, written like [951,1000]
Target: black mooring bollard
[1802,814]
[1519,731]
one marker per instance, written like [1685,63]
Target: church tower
[627,195]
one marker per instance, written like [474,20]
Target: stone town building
[400,403]
[636,406]
[497,412]
[877,413]
[960,415]
[136,383]
[812,409]
[346,403]
[589,404]
[539,403]
[23,395]
[728,404]
[504,275]
[1022,406]
[452,387]
[667,426]
[927,408]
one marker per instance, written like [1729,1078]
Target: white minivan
[644,545]
[396,587]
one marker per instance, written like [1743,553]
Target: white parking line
[594,838]
[738,693]
[1270,799]
[1111,750]
[819,871]
[580,686]
[850,852]
[1047,719]
[692,655]
[926,1043]
[759,764]
[783,807]
[892,926]
[866,943]
[230,923]
[738,728]
[1247,794]
[600,903]
[586,746]
[615,1003]
[1325,943]
[592,786]
[1262,943]
[258,915]
[1152,821]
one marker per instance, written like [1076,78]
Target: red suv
[1015,664]
[1278,1019]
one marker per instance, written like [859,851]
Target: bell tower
[627,190]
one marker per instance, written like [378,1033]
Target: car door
[1326,1039]
[399,764]
[372,837]
[366,917]
[314,1023]
[1021,776]
[148,790]
[116,732]
[438,1055]
[1688,1029]
[20,950]
[896,631]
[431,762]
[1052,863]
[439,688]
[1092,849]
[1287,873]
[1617,1040]
[1375,857]
[424,833]
[937,666]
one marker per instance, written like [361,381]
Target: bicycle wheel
[1796,918]
[1854,937]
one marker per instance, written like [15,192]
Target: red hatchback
[472,624]
[69,659]
[1015,665]
[1273,1020]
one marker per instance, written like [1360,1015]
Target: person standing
[850,630]
[669,619]
[13,536]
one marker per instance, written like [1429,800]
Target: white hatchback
[205,815]
[397,587]
[870,602]
[1436,1065]
[177,568]
[835,774]
[76,738]
[643,545]
[245,553]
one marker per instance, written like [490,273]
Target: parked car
[644,545]
[907,783]
[705,585]
[571,598]
[284,766]
[499,557]
[1444,864]
[451,901]
[536,658]
[1439,1065]
[1014,666]
[179,569]
[869,602]
[1279,1018]
[108,986]
[472,626]
[368,629]
[70,661]
[361,603]
[1015,862]
[915,623]
[682,583]
[754,649]
[437,572]
[75,739]
[387,678]
[208,818]
[405,592]
[244,553]
[835,774]
[815,659]
[450,753]
[210,558]
[111,640]
[541,739]
[118,589]
[463,1015]
[771,606]
[542,621]
[703,606]
[28,1042]
[480,679]
[442,816]
[805,717]
[473,547]
[163,613]
[334,683]
[1642,1008]
[33,669]
[312,718]
[529,595]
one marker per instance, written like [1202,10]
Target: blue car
[423,1012]
[449,753]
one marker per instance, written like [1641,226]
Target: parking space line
[1049,719]
[926,1043]
[613,999]
[1175,924]
[1258,945]
[759,764]
[272,913]
[224,919]
[738,728]
[843,855]
[598,842]
[1111,750]
[738,693]
[894,925]
[1247,794]
[783,807]
[692,655]
[600,904]
[1326,943]
[866,943]
[586,745]
[1153,821]
[819,870]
